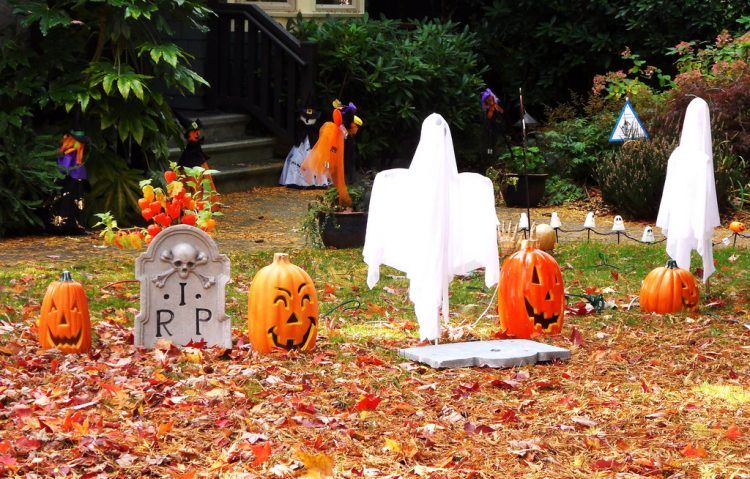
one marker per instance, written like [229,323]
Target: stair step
[225,126]
[250,151]
[244,177]
[221,126]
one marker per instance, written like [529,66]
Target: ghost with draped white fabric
[432,223]
[689,212]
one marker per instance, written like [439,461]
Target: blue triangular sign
[628,126]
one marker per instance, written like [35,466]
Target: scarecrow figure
[65,211]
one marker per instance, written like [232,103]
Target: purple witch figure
[65,211]
[492,119]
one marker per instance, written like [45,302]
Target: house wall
[283,10]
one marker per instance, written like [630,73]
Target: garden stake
[525,160]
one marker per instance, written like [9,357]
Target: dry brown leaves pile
[629,404]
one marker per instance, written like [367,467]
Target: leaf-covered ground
[352,408]
[642,396]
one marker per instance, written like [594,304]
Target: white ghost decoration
[689,212]
[554,221]
[590,222]
[523,222]
[648,235]
[432,223]
[618,224]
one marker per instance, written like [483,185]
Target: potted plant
[328,224]
[511,178]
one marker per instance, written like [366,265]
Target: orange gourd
[669,289]
[64,321]
[531,294]
[282,307]
[737,227]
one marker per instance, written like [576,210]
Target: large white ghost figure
[688,212]
[432,223]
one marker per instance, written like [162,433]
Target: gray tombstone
[183,290]
[501,353]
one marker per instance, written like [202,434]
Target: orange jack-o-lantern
[64,321]
[282,307]
[669,289]
[531,294]
[737,227]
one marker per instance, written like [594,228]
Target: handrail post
[212,58]
[309,52]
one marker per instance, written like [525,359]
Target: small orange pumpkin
[669,289]
[531,294]
[64,321]
[282,307]
[737,227]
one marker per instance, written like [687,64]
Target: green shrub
[632,178]
[574,147]
[397,76]
[28,171]
[558,190]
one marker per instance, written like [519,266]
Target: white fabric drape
[291,173]
[432,223]
[689,212]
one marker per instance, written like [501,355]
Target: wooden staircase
[243,161]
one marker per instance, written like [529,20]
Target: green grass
[385,313]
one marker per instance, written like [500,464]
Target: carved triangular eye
[535,277]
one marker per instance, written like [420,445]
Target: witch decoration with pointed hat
[193,154]
[492,119]
[352,123]
[65,210]
[291,174]
[325,162]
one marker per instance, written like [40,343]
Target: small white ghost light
[554,221]
[648,235]
[523,223]
[618,224]
[590,222]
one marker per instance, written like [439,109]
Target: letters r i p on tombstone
[183,290]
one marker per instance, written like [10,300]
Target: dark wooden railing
[255,65]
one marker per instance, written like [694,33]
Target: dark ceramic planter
[343,230]
[515,195]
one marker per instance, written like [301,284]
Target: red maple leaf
[368,402]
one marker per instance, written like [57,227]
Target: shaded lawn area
[643,395]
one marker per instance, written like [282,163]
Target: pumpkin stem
[281,258]
[65,276]
[672,264]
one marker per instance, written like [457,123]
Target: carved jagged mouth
[290,344]
[539,318]
[63,341]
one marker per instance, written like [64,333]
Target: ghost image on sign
[648,235]
[432,223]
[183,279]
[689,212]
[618,224]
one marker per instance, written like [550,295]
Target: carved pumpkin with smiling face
[64,321]
[669,289]
[282,307]
[531,294]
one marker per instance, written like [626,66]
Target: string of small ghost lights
[618,229]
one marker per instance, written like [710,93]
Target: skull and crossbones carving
[183,258]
